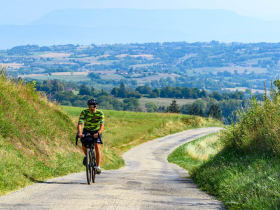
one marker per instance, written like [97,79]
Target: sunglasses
[92,106]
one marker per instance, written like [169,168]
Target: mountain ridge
[110,26]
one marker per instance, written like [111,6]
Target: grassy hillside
[243,170]
[37,137]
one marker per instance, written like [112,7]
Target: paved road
[147,181]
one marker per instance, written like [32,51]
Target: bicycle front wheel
[94,169]
[88,166]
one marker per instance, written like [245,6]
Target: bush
[258,126]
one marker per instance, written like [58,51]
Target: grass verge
[193,154]
[240,179]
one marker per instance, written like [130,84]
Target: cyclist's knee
[97,147]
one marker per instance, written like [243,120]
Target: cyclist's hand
[81,135]
[95,135]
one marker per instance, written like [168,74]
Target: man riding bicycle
[93,120]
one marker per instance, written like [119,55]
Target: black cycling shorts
[96,140]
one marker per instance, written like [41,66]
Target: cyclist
[93,120]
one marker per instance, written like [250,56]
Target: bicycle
[91,171]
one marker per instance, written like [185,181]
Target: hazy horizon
[22,12]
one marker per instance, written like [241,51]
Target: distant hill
[86,26]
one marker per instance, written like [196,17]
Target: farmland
[210,66]
[164,101]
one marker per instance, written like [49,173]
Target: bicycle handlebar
[77,137]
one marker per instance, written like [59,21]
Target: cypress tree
[174,107]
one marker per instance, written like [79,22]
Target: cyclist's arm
[102,119]
[80,123]
[101,128]
[80,128]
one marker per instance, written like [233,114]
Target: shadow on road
[42,182]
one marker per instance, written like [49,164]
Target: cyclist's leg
[84,149]
[98,154]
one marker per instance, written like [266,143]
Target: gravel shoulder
[147,181]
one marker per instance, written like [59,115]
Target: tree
[144,89]
[122,91]
[203,94]
[153,95]
[174,107]
[94,76]
[132,100]
[157,92]
[57,86]
[215,112]
[193,110]
[115,91]
[151,106]
[84,90]
[187,92]
[217,95]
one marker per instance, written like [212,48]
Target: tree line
[219,105]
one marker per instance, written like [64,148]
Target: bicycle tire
[88,166]
[93,169]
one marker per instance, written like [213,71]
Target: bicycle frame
[91,161]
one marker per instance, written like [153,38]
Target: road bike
[89,143]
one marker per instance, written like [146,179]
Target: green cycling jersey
[92,121]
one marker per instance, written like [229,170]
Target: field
[11,65]
[156,77]
[58,77]
[136,56]
[240,70]
[187,56]
[254,61]
[165,101]
[245,88]
[82,76]
[112,76]
[55,55]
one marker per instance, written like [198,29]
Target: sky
[24,11]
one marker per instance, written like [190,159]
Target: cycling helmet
[92,102]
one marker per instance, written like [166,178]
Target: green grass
[36,138]
[244,174]
[195,153]
[241,180]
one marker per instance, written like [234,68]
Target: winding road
[147,181]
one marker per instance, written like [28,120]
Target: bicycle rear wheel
[88,166]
